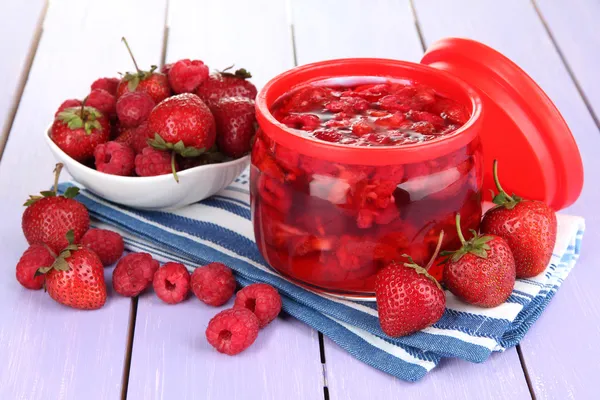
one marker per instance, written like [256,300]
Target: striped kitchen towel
[219,229]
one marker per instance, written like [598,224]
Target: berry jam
[381,113]
[334,225]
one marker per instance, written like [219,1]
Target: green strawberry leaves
[502,199]
[160,144]
[60,262]
[477,245]
[240,73]
[81,117]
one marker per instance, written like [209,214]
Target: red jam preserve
[352,172]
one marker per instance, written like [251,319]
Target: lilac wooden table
[143,349]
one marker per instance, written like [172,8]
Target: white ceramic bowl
[153,192]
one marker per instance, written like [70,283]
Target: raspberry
[423,127]
[108,245]
[134,273]
[262,299]
[213,284]
[114,158]
[361,127]
[185,76]
[354,252]
[172,282]
[393,102]
[391,120]
[436,121]
[36,256]
[108,84]
[102,101]
[166,68]
[68,104]
[274,193]
[328,135]
[306,122]
[136,138]
[347,104]
[232,331]
[133,108]
[309,98]
[152,162]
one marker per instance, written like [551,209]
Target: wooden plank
[558,366]
[574,28]
[347,377]
[170,353]
[20,29]
[497,378]
[50,351]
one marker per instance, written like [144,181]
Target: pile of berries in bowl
[158,139]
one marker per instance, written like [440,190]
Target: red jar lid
[536,152]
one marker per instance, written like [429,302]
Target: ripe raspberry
[166,68]
[213,284]
[136,138]
[262,299]
[172,282]
[232,331]
[108,245]
[114,158]
[185,76]
[328,135]
[102,101]
[108,84]
[133,108]
[36,256]
[134,273]
[152,162]
[68,104]
[306,122]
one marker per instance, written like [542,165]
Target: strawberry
[155,84]
[226,84]
[236,123]
[408,298]
[482,271]
[36,256]
[528,226]
[49,217]
[76,278]
[182,124]
[78,130]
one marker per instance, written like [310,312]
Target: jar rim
[443,83]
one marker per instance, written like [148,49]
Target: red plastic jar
[330,215]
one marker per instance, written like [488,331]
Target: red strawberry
[153,83]
[77,131]
[482,271]
[182,124]
[226,84]
[528,226]
[76,278]
[49,217]
[236,124]
[36,256]
[185,76]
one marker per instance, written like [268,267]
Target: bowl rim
[129,179]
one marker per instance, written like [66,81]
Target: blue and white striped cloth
[219,229]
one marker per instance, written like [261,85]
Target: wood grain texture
[49,351]
[559,366]
[574,27]
[21,21]
[326,30]
[497,378]
[171,358]
[347,377]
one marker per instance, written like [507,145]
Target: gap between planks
[33,47]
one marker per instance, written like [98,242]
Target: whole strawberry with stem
[183,125]
[226,84]
[482,271]
[408,298]
[155,84]
[528,226]
[48,216]
[78,130]
[76,278]
[236,123]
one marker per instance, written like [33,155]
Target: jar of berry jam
[361,162]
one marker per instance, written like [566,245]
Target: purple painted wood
[49,351]
[345,37]
[171,358]
[574,27]
[559,366]
[498,378]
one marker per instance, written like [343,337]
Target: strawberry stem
[460,234]
[497,182]
[436,252]
[173,166]
[57,170]
[83,108]
[130,54]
